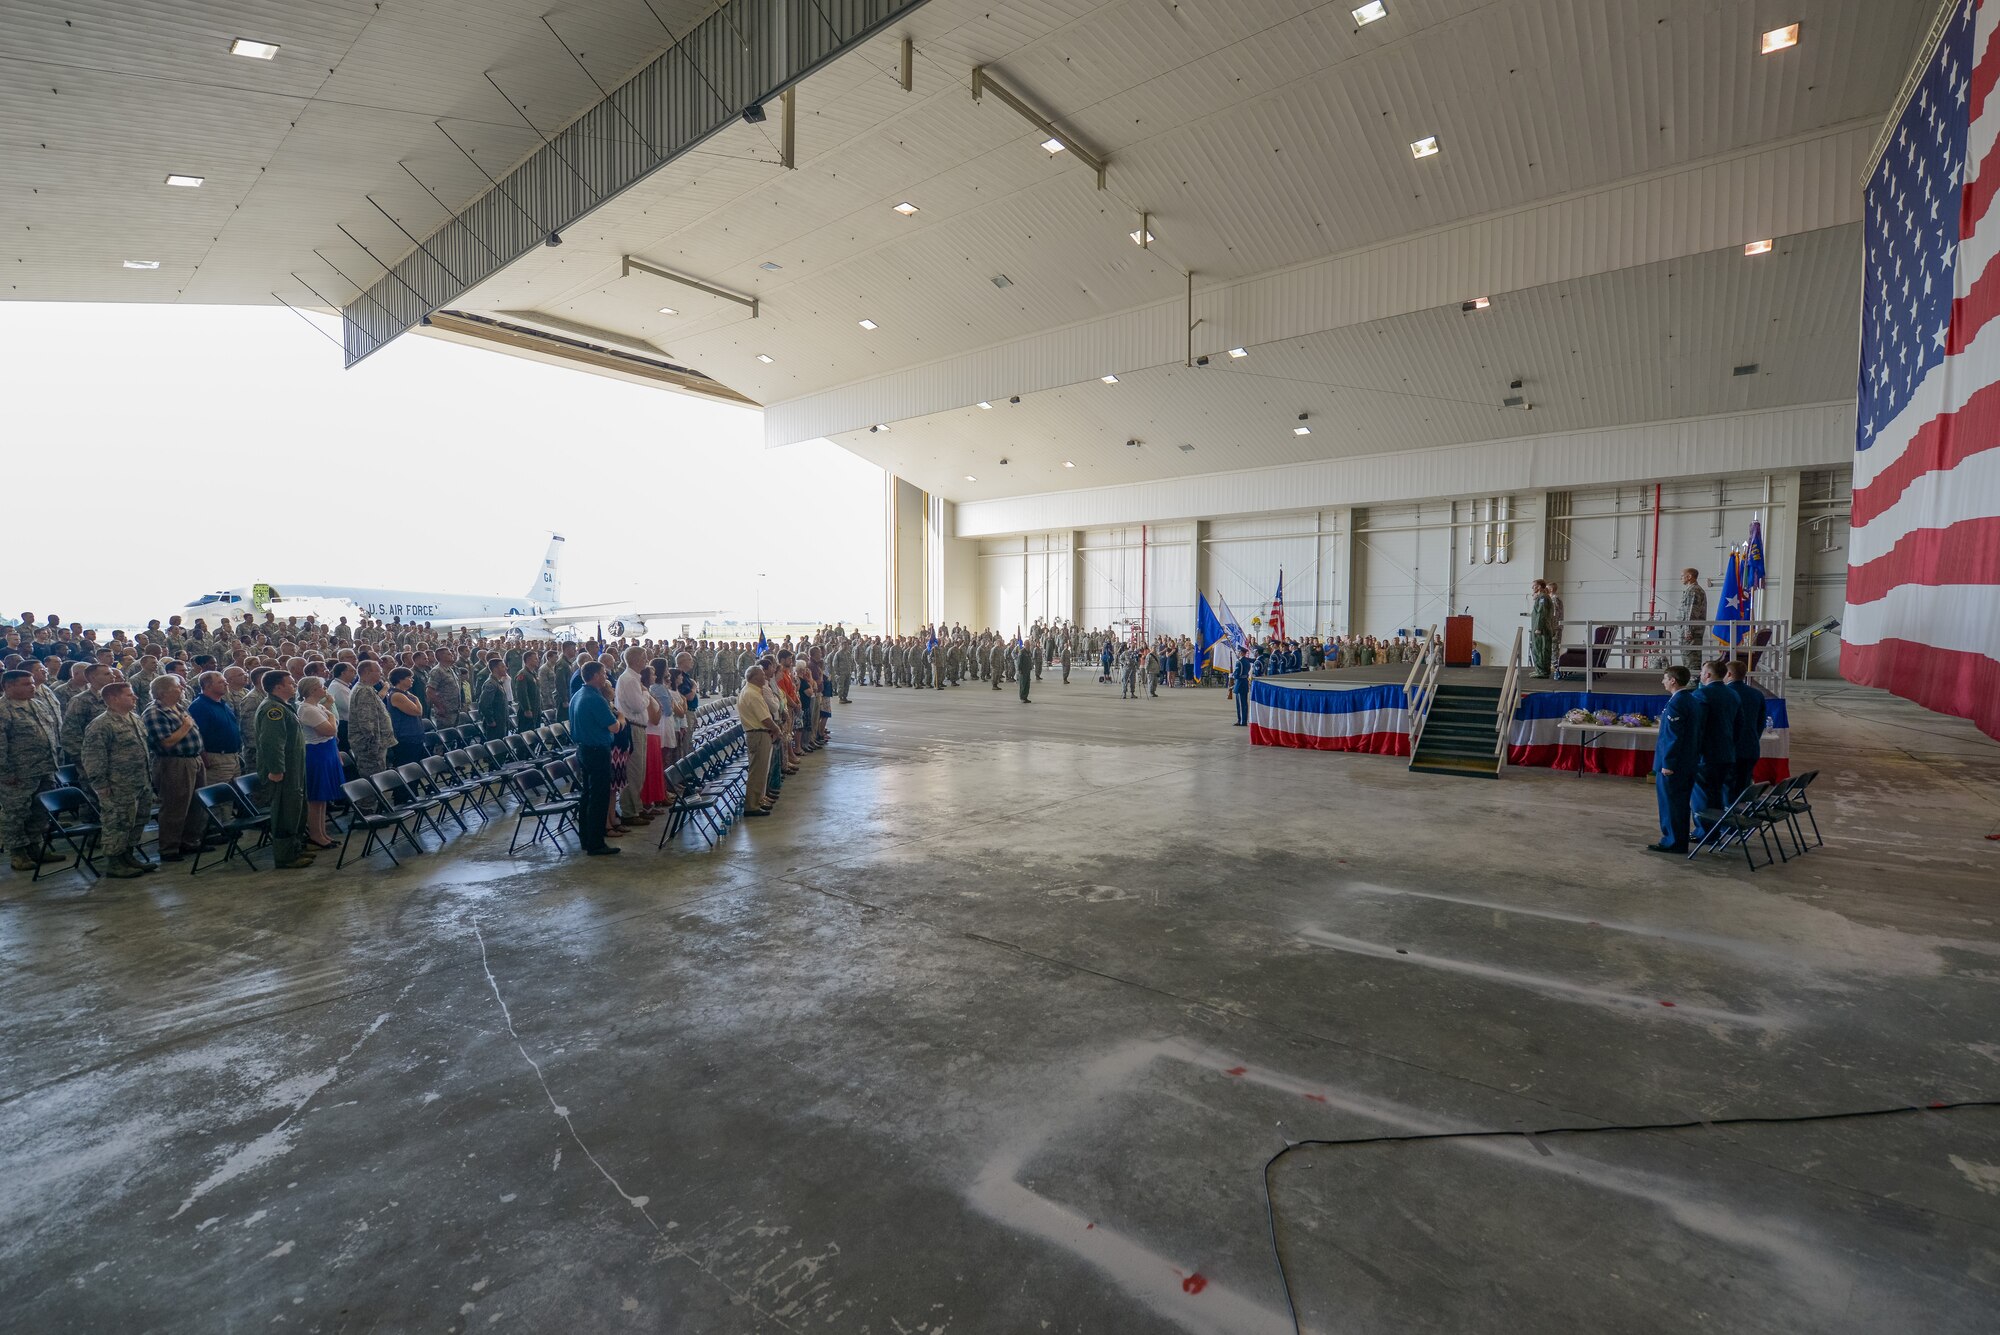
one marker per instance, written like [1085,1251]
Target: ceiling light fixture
[1002,280]
[243,46]
[1778,39]
[882,427]
[1426,147]
[906,208]
[764,358]
[668,310]
[1476,304]
[1757,248]
[1369,12]
[1109,379]
[1302,431]
[1052,146]
[1068,464]
[190,182]
[770,266]
[1239,352]
[142,264]
[970,478]
[984,404]
[869,324]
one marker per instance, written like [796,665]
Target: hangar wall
[1381,569]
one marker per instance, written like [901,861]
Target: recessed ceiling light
[668,310]
[1757,248]
[243,46]
[142,264]
[764,358]
[191,182]
[1052,146]
[1068,464]
[1142,237]
[1302,431]
[906,208]
[1109,379]
[869,324]
[1426,147]
[1239,352]
[1779,38]
[1476,304]
[984,404]
[970,478]
[1369,12]
[879,426]
[771,266]
[1002,280]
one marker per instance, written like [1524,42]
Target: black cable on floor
[1271,1215]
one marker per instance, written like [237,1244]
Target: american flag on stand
[1278,608]
[1923,576]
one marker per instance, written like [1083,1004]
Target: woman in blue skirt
[321,726]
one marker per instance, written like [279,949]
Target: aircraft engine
[620,630]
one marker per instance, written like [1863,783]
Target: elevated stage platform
[1365,709]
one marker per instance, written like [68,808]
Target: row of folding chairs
[708,783]
[1766,812]
[72,823]
[397,804]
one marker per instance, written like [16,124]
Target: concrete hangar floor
[994,1027]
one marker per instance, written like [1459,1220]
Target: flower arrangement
[1634,721]
[1579,716]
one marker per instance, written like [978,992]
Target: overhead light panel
[984,404]
[1426,147]
[869,324]
[906,208]
[1476,304]
[1141,238]
[189,182]
[1239,352]
[1109,379]
[1068,464]
[1002,280]
[1778,39]
[1757,248]
[764,358]
[1369,12]
[881,427]
[970,478]
[243,46]
[770,266]
[668,310]
[1052,146]
[1302,431]
[142,264]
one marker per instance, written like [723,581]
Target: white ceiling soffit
[1259,136]
[1809,436]
[102,99]
[1658,342]
[1800,186]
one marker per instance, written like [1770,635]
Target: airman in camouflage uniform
[281,765]
[370,731]
[447,699]
[85,703]
[28,733]
[116,762]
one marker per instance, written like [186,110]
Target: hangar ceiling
[1254,134]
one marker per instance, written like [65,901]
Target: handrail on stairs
[1504,709]
[1420,686]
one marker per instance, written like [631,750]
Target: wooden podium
[1458,641]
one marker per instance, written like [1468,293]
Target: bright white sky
[430,466]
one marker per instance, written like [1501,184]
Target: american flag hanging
[1923,576]
[1278,608]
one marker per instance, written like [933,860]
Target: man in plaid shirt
[176,745]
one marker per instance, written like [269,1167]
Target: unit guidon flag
[1923,578]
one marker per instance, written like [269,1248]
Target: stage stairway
[1460,733]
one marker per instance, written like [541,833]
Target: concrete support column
[908,565]
[1342,549]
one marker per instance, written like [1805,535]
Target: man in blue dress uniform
[1715,775]
[1239,685]
[1750,710]
[1675,757]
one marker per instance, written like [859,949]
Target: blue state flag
[1753,558]
[763,645]
[1209,627]
[1229,620]
[1734,608]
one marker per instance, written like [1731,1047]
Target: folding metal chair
[69,816]
[416,777]
[1789,801]
[691,806]
[1723,830]
[397,794]
[361,797]
[540,804]
[227,818]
